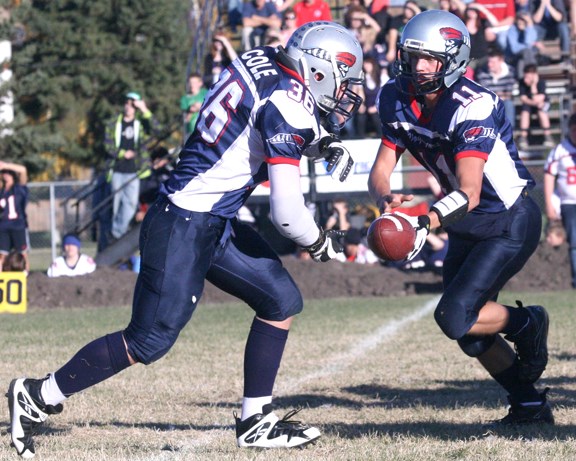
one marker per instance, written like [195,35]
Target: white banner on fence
[364,152]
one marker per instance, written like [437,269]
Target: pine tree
[75,63]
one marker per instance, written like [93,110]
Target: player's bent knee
[453,317]
[449,327]
[147,352]
[279,305]
[475,346]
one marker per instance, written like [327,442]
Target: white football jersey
[59,268]
[561,162]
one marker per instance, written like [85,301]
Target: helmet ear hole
[319,76]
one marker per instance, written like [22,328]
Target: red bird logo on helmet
[454,39]
[345,61]
[449,33]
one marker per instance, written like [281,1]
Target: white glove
[340,162]
[422,226]
[327,246]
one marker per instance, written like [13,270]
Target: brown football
[391,237]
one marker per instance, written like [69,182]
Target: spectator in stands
[72,262]
[235,8]
[505,12]
[456,7]
[272,38]
[520,42]
[282,5]
[500,78]
[376,6]
[339,219]
[376,9]
[161,164]
[551,21]
[532,90]
[15,262]
[13,201]
[397,24]
[559,177]
[126,139]
[191,102]
[479,22]
[257,17]
[312,10]
[367,116]
[364,27]
[288,25]
[221,54]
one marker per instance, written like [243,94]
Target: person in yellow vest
[126,141]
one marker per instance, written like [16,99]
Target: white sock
[253,405]
[50,392]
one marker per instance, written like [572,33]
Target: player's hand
[387,203]
[422,226]
[339,161]
[327,246]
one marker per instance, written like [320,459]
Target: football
[391,237]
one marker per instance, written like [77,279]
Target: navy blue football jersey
[259,112]
[468,120]
[13,205]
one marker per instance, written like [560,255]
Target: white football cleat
[266,430]
[26,413]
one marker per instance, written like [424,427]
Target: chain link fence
[56,208]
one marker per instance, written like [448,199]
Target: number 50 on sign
[13,292]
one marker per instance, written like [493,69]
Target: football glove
[339,161]
[422,226]
[327,246]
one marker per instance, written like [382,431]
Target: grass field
[376,376]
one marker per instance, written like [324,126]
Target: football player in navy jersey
[256,123]
[459,132]
[13,201]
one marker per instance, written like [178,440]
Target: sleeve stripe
[471,153]
[282,160]
[393,146]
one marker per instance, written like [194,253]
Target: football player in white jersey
[459,132]
[560,178]
[256,123]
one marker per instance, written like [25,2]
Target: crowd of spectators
[506,36]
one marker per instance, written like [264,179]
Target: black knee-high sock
[519,391]
[262,356]
[94,363]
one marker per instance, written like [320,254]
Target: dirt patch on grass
[547,270]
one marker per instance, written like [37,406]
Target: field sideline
[375,375]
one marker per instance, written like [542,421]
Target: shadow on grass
[443,395]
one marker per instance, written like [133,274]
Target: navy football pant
[484,253]
[181,249]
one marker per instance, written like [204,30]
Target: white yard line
[339,362]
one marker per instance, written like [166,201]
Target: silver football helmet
[329,59]
[441,35]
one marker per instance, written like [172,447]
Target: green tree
[75,62]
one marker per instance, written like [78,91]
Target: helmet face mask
[439,35]
[329,60]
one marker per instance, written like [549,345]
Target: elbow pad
[451,208]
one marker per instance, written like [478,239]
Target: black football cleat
[520,415]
